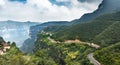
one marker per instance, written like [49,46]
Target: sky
[45,10]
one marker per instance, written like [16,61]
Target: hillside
[87,31]
[62,53]
[109,55]
[110,35]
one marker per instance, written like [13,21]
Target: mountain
[83,31]
[89,30]
[15,31]
[28,44]
[107,6]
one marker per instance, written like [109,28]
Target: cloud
[62,0]
[2,2]
[45,10]
[6,36]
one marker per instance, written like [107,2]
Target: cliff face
[28,44]
[107,6]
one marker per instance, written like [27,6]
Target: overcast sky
[45,10]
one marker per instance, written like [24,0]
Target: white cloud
[6,36]
[62,0]
[44,10]
[2,2]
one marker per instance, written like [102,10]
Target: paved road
[92,59]
[52,40]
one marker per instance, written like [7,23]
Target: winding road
[92,59]
[90,56]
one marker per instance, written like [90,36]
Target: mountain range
[103,31]
[104,8]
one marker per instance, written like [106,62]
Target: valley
[92,39]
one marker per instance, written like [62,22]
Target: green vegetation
[15,57]
[90,31]
[55,28]
[104,31]
[48,53]
[109,55]
[110,35]
[61,53]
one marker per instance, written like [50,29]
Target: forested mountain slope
[109,55]
[110,35]
[87,31]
